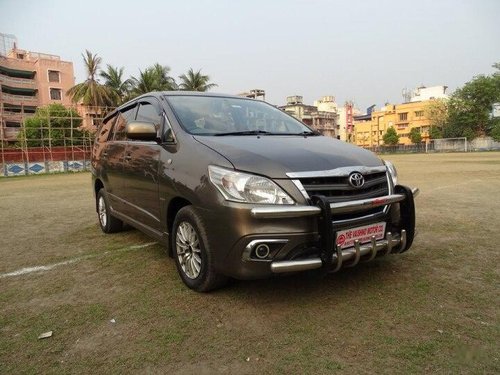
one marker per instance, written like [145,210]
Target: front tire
[107,222]
[192,253]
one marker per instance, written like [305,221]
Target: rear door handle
[128,157]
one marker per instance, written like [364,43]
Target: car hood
[274,156]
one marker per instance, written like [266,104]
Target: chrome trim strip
[248,248]
[337,172]
[299,186]
[295,265]
[278,212]
[284,212]
[365,204]
[341,256]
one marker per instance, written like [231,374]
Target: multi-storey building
[29,80]
[322,116]
[371,127]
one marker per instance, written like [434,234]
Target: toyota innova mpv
[236,188]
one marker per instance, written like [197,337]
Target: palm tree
[154,78]
[195,81]
[90,92]
[113,79]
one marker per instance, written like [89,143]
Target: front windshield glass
[217,116]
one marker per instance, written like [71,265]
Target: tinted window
[148,113]
[211,115]
[105,130]
[124,117]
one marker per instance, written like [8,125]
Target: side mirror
[142,131]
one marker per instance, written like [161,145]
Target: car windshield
[219,116]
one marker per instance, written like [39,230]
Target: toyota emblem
[356,180]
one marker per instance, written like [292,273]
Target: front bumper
[331,257]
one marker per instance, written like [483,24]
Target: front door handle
[128,157]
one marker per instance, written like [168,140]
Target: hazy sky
[366,51]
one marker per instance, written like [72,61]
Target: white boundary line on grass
[28,270]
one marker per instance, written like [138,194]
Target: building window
[419,113]
[55,94]
[54,76]
[403,116]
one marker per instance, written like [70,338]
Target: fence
[52,140]
[441,145]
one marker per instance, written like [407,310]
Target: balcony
[19,99]
[22,83]
[12,116]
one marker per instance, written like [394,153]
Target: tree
[415,136]
[53,125]
[195,81]
[435,132]
[91,92]
[437,113]
[118,88]
[391,137]
[470,107]
[154,78]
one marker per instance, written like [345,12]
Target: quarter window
[124,117]
[148,113]
[105,130]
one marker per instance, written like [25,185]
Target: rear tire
[192,253]
[107,222]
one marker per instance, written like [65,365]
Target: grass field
[433,309]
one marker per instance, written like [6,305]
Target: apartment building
[371,127]
[29,80]
[322,116]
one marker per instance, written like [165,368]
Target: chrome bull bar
[293,211]
[350,257]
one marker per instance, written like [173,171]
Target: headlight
[248,188]
[392,171]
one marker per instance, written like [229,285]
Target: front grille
[338,189]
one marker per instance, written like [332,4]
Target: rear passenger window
[148,113]
[124,117]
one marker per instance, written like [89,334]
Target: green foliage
[195,81]
[118,88]
[495,131]
[391,137]
[435,132]
[469,107]
[415,136]
[437,113]
[53,125]
[154,78]
[90,92]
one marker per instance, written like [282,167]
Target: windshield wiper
[309,133]
[304,133]
[244,132]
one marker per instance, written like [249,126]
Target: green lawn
[433,309]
